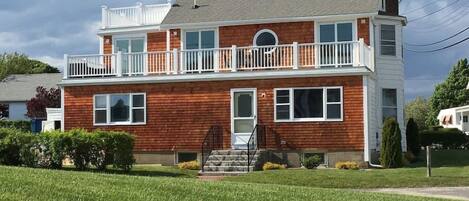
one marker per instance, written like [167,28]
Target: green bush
[312,162]
[412,136]
[17,147]
[24,126]
[391,149]
[49,149]
[53,146]
[444,138]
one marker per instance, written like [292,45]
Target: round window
[265,37]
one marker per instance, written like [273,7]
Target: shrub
[123,145]
[17,147]
[410,157]
[53,147]
[79,149]
[347,165]
[24,126]
[191,165]
[272,166]
[391,149]
[412,137]
[445,138]
[312,162]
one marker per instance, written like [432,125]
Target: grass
[37,184]
[149,171]
[451,169]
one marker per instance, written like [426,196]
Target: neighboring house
[16,90]
[283,78]
[457,117]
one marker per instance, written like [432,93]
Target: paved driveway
[456,193]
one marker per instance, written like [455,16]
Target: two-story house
[207,78]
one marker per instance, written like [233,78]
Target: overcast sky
[47,29]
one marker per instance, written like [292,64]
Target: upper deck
[139,15]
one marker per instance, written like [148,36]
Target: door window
[131,63]
[199,56]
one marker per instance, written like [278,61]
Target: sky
[48,29]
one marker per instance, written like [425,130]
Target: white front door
[243,116]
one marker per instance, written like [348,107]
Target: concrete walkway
[454,193]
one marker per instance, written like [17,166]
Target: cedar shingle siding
[179,114]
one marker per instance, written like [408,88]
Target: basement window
[120,109]
[186,157]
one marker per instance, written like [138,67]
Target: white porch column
[104,17]
[65,70]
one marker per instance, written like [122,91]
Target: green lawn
[37,184]
[150,171]
[451,169]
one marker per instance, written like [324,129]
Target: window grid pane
[308,103]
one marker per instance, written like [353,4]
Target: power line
[430,3]
[437,11]
[440,41]
[436,50]
[450,19]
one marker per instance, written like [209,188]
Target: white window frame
[317,31]
[254,41]
[381,40]
[388,107]
[183,37]
[325,103]
[131,109]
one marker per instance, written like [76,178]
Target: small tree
[417,110]
[412,136]
[391,150]
[44,99]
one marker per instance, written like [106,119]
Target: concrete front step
[214,174]
[217,157]
[227,169]
[229,163]
[229,152]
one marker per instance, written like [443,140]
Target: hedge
[48,150]
[21,125]
[444,138]
[391,149]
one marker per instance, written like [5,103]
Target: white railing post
[216,59]
[317,55]
[296,56]
[140,13]
[168,62]
[361,43]
[234,62]
[175,60]
[66,65]
[104,17]
[145,63]
[119,64]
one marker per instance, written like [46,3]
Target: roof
[18,88]
[239,10]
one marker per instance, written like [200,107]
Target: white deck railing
[232,59]
[134,16]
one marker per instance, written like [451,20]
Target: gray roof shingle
[239,10]
[23,87]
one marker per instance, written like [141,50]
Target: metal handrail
[213,140]
[257,138]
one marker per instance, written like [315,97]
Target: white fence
[231,59]
[134,16]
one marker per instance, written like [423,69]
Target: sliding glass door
[133,63]
[199,53]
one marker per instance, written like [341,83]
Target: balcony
[139,15]
[233,59]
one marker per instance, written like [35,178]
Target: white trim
[168,40]
[366,148]
[254,40]
[126,30]
[131,108]
[62,106]
[323,72]
[325,104]
[254,105]
[130,37]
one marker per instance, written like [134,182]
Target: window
[388,40]
[119,109]
[186,157]
[465,119]
[338,32]
[308,104]
[265,37]
[389,103]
